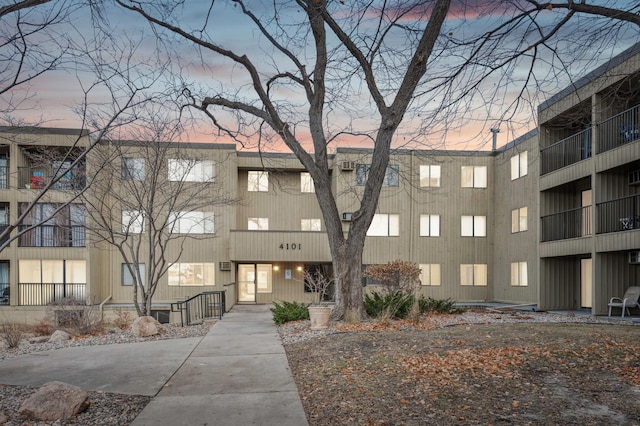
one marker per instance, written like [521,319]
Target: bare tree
[420,64]
[148,200]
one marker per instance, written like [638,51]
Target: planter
[319,316]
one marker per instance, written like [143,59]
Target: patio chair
[629,300]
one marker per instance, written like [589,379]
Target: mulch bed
[486,374]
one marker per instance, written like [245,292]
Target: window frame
[313,225]
[430,272]
[518,219]
[427,175]
[519,274]
[135,170]
[125,273]
[477,226]
[478,175]
[307,185]
[391,175]
[208,274]
[519,165]
[391,223]
[479,273]
[205,224]
[430,220]
[260,181]
[260,222]
[135,224]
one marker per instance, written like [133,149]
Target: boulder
[59,336]
[39,339]
[54,401]
[145,327]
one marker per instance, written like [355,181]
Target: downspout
[102,306]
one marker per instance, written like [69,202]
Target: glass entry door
[247,283]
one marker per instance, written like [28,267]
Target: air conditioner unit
[634,177]
[346,217]
[347,166]
[634,257]
[224,266]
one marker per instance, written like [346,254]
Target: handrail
[195,309]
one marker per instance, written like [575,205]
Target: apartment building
[549,220]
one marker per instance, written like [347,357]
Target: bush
[289,311]
[76,316]
[388,306]
[11,333]
[42,327]
[443,306]
[123,319]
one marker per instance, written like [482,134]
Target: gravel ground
[105,408]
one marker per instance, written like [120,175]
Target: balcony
[4,182]
[622,214]
[41,294]
[39,177]
[619,129]
[572,223]
[52,236]
[4,293]
[568,151]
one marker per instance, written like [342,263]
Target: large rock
[59,336]
[54,401]
[145,327]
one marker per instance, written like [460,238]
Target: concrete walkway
[237,374]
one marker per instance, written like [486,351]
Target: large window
[187,170]
[384,225]
[132,222]
[429,176]
[473,226]
[311,225]
[519,165]
[192,274]
[132,168]
[391,175]
[429,225]
[519,274]
[430,274]
[258,181]
[192,222]
[128,279]
[55,225]
[258,224]
[306,182]
[43,281]
[474,176]
[519,220]
[473,274]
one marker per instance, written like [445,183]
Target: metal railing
[572,223]
[5,292]
[41,294]
[194,310]
[619,129]
[52,236]
[4,181]
[622,214]
[39,177]
[565,152]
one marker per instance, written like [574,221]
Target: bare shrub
[11,333]
[76,316]
[123,319]
[398,293]
[43,327]
[316,282]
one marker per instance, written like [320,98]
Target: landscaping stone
[54,401]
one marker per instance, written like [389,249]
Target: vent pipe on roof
[495,132]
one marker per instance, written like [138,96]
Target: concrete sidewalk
[237,375]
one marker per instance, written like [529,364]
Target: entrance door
[586,279]
[247,283]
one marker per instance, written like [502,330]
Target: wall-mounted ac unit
[346,217]
[224,266]
[634,177]
[347,166]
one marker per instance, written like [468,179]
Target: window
[391,175]
[187,170]
[519,165]
[429,176]
[429,225]
[263,278]
[306,183]
[258,224]
[128,279]
[55,225]
[54,279]
[430,274]
[474,176]
[132,222]
[132,168]
[473,274]
[519,220]
[473,226]
[310,225]
[258,181]
[192,274]
[384,225]
[192,222]
[519,274]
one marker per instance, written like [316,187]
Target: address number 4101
[290,246]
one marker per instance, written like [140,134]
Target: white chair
[629,300]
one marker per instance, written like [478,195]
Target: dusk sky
[53,99]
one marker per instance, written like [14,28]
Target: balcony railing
[52,236]
[4,293]
[38,178]
[4,182]
[622,214]
[567,151]
[619,129]
[41,294]
[572,223]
